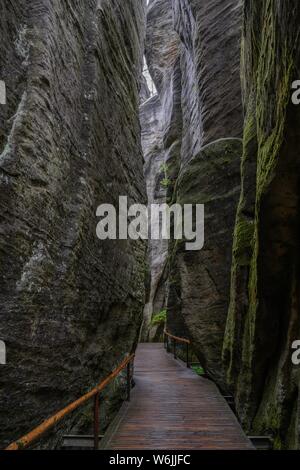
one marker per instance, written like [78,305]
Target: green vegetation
[159,318]
[164,168]
[165,183]
[198,369]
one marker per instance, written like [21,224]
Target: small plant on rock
[165,182]
[160,318]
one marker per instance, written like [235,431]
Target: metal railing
[177,339]
[49,423]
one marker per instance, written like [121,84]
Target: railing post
[187,355]
[96,421]
[168,349]
[40,430]
[128,381]
[174,347]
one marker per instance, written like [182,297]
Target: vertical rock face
[263,318]
[151,115]
[193,54]
[206,171]
[160,120]
[70,304]
[254,317]
[210,61]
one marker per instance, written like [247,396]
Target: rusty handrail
[177,338]
[49,423]
[185,341]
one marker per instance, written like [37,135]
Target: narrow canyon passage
[176,104]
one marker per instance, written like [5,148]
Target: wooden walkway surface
[173,408]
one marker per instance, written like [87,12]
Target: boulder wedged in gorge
[70,304]
[263,319]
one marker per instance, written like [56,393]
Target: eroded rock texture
[210,161]
[161,122]
[263,318]
[203,136]
[210,61]
[70,304]
[256,319]
[151,114]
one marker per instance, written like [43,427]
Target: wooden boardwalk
[173,408]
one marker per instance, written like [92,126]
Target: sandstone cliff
[80,128]
[248,318]
[161,123]
[70,305]
[196,70]
[209,168]
[263,319]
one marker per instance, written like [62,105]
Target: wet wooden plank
[173,408]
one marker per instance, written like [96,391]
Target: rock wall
[234,147]
[207,171]
[263,318]
[160,121]
[151,114]
[70,304]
